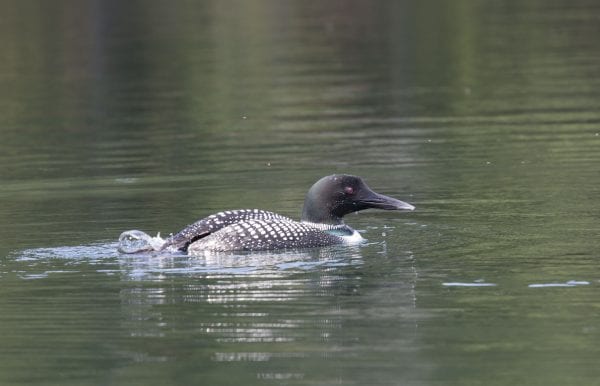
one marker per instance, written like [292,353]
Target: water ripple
[570,283]
[158,266]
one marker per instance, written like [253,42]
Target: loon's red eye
[349,190]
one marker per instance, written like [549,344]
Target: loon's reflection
[234,293]
[277,263]
[272,309]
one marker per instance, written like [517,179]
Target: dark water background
[145,114]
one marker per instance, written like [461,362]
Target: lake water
[149,115]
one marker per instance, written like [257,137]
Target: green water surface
[117,115]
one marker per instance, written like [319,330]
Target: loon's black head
[333,197]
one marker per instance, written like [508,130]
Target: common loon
[326,203]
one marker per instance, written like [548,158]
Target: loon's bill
[326,203]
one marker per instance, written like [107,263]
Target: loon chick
[326,203]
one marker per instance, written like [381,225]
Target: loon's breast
[270,234]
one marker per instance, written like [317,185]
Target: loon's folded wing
[215,222]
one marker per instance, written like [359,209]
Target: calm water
[120,115]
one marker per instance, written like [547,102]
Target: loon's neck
[317,215]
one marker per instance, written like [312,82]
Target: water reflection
[233,293]
[156,266]
[270,309]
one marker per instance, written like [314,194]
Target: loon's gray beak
[380,201]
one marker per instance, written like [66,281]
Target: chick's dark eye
[349,190]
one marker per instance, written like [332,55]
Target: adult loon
[326,203]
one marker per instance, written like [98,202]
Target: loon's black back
[261,235]
[216,222]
